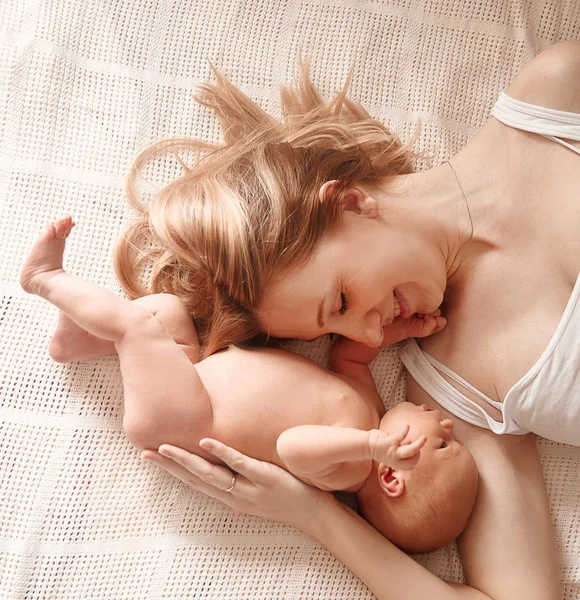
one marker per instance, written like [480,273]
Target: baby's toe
[63,226]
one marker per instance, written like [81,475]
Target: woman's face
[350,283]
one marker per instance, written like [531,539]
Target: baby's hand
[414,326]
[389,449]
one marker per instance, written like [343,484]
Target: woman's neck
[442,205]
[444,213]
[462,209]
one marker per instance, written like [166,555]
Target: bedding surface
[85,86]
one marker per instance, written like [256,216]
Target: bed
[84,86]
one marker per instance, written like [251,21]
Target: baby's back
[257,393]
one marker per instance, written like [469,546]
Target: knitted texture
[84,86]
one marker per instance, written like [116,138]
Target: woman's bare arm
[268,491]
[388,572]
[508,549]
[515,560]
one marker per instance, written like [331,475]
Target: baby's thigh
[173,315]
[165,400]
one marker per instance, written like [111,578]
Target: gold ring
[232,484]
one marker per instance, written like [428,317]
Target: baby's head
[425,508]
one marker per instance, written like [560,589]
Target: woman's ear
[355,199]
[391,482]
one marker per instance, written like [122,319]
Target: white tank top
[546,400]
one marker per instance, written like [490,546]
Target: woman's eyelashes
[443,445]
[343,303]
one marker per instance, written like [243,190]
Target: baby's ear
[391,482]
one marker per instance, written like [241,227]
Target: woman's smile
[404,309]
[397,310]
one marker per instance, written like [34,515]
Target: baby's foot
[71,343]
[65,338]
[45,258]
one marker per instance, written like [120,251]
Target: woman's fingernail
[206,445]
[164,452]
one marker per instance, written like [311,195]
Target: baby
[415,483]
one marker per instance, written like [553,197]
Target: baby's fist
[389,449]
[414,326]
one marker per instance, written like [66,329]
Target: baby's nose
[447,424]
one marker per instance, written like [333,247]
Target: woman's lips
[405,308]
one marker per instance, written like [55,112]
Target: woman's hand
[260,488]
[413,326]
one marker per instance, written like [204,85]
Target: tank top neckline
[541,361]
[520,410]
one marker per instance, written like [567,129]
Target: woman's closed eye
[343,303]
[443,445]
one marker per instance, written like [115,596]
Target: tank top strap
[548,122]
[462,382]
[449,397]
[564,143]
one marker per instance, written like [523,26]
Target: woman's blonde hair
[250,205]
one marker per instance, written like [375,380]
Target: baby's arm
[329,456]
[352,359]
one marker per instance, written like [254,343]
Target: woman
[493,234]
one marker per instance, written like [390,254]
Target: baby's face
[423,420]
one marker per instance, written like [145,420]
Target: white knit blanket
[84,86]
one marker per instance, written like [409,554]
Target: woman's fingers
[238,462]
[172,467]
[169,465]
[213,475]
[188,477]
[262,489]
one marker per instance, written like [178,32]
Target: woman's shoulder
[551,79]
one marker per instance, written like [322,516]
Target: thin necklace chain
[468,212]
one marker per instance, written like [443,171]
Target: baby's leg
[165,400]
[71,343]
